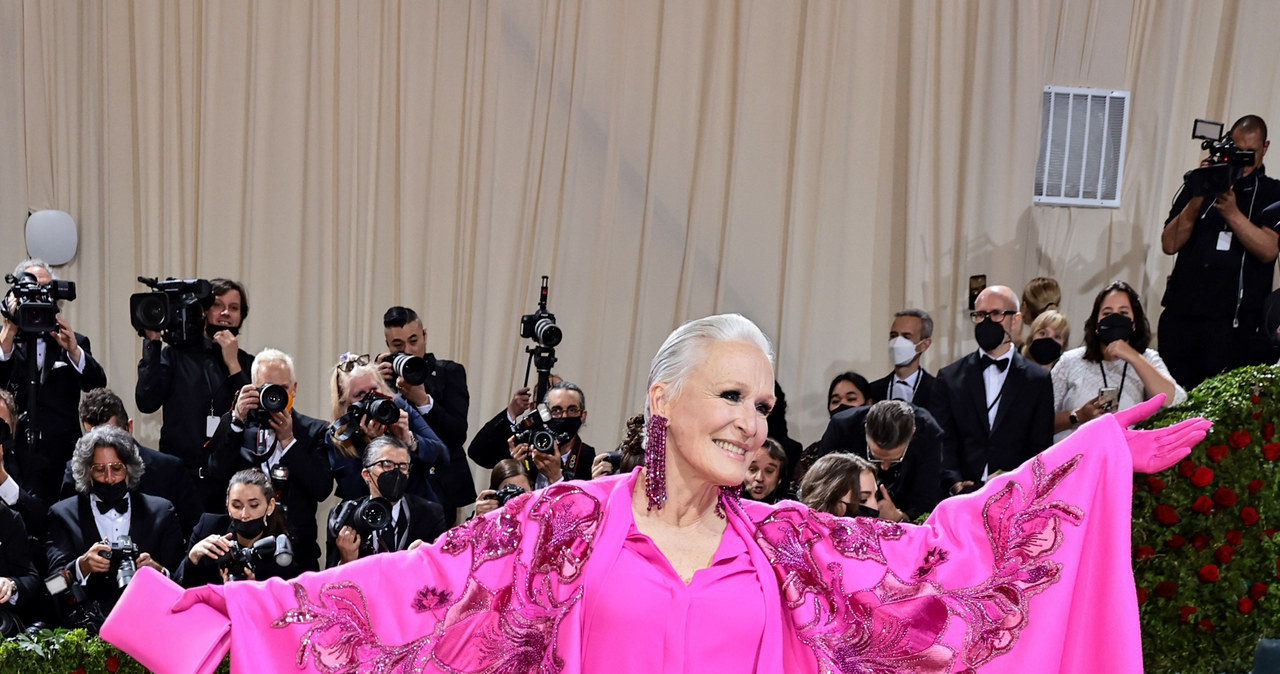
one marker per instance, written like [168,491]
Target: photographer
[66,365]
[570,458]
[1226,253]
[28,506]
[287,446]
[252,516]
[353,383]
[442,400]
[413,520]
[108,511]
[196,382]
[507,480]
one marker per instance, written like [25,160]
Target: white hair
[686,347]
[270,355]
[34,262]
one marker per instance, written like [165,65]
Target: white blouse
[1076,381]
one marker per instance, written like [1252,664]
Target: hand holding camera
[407,374]
[93,561]
[212,546]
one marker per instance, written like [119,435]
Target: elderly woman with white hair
[663,569]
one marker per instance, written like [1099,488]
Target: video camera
[271,398]
[124,560]
[174,308]
[1224,165]
[374,406]
[412,369]
[366,515]
[240,558]
[531,428]
[37,307]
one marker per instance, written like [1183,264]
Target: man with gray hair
[107,512]
[570,458]
[910,336]
[65,365]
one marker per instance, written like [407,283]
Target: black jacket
[490,446]
[153,527]
[1023,425]
[163,476]
[426,523]
[309,480]
[913,484]
[924,389]
[194,575]
[16,562]
[447,385]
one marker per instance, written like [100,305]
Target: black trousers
[1195,349]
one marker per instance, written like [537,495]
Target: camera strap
[1124,375]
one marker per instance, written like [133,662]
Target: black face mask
[1045,350]
[110,494]
[564,428]
[990,334]
[838,409]
[210,329]
[867,511]
[392,484]
[249,529]
[1114,327]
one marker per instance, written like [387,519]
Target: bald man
[994,406]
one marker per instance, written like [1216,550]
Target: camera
[240,558]
[174,308]
[366,515]
[74,606]
[540,326]
[1224,165]
[505,493]
[271,398]
[124,560]
[374,406]
[37,306]
[412,369]
[614,459]
[531,429]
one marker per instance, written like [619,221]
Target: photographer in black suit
[66,366]
[994,406]
[288,447]
[31,508]
[568,460]
[414,520]
[252,515]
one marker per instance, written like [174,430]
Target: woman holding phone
[1114,369]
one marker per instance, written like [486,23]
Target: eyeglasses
[349,361]
[873,450]
[998,315]
[387,464]
[570,411]
[102,469]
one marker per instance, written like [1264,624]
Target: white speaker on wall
[51,236]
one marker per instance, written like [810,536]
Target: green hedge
[69,652]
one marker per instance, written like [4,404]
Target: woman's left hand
[1160,448]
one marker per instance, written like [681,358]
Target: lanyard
[1124,375]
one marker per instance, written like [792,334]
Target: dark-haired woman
[1114,369]
[848,389]
[253,515]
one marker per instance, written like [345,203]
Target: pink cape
[1031,573]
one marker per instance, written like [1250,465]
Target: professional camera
[540,326]
[366,515]
[124,560]
[505,493]
[74,605]
[374,406]
[174,308]
[614,459]
[271,398]
[37,307]
[531,429]
[240,558]
[412,369]
[1224,165]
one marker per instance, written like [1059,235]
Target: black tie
[121,506]
[391,542]
[988,361]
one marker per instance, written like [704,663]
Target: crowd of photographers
[234,488]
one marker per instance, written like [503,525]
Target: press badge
[1224,240]
[211,425]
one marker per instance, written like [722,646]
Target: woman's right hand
[484,504]
[348,544]
[1091,410]
[212,546]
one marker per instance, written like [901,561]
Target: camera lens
[543,441]
[150,310]
[374,514]
[410,368]
[384,411]
[547,333]
[273,397]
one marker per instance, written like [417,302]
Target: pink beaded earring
[655,461]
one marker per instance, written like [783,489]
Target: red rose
[1166,588]
[1155,485]
[1223,554]
[1208,573]
[1166,515]
[1268,431]
[1248,515]
[1142,596]
[1199,541]
[1217,453]
[1245,605]
[112,663]
[1202,504]
[1186,612]
[1257,415]
[1254,486]
[1202,476]
[1269,532]
[1206,625]
[1143,552]
[1185,467]
[1271,451]
[1224,497]
[1234,537]
[1257,591]
[1255,399]
[1177,541]
[1240,438]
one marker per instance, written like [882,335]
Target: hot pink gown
[1030,574]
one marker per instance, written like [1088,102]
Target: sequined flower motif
[340,638]
[489,537]
[568,521]
[430,598]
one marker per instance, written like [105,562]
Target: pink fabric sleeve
[143,625]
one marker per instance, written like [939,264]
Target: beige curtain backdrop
[813,165]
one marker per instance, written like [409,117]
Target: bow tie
[988,361]
[121,506]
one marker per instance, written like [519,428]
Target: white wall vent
[1082,134]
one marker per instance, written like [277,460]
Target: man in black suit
[21,591]
[288,447]
[909,337]
[414,520]
[570,458]
[32,509]
[164,476]
[107,470]
[903,442]
[66,367]
[994,406]
[442,400]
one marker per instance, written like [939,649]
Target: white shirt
[267,438]
[111,525]
[1076,381]
[41,347]
[904,389]
[993,381]
[9,491]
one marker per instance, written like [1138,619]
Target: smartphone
[1110,396]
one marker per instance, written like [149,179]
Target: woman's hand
[600,466]
[212,546]
[348,545]
[484,504]
[1091,410]
[1157,449]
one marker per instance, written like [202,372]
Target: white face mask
[901,350]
